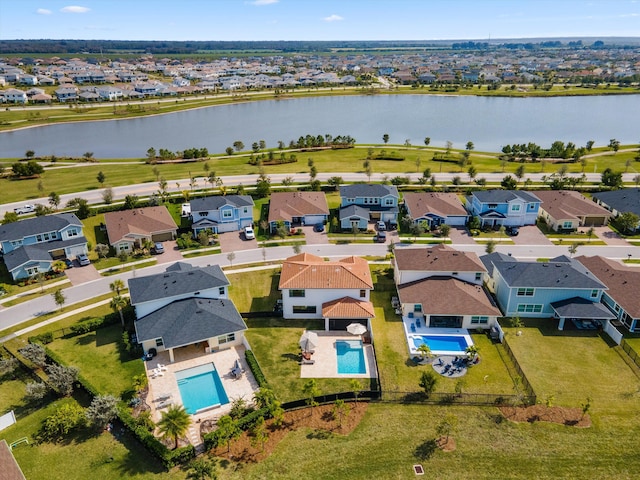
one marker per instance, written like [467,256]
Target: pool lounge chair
[413,328]
[418,323]
[305,361]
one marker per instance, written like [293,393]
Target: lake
[489,122]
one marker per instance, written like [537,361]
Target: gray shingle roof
[35,225]
[368,190]
[218,201]
[578,307]
[489,259]
[188,321]
[354,210]
[624,200]
[178,279]
[38,252]
[504,196]
[561,272]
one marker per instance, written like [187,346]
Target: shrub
[255,369]
[43,338]
[35,353]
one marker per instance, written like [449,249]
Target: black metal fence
[331,398]
[468,399]
[633,355]
[515,371]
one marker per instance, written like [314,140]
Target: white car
[381,226]
[249,234]
[24,209]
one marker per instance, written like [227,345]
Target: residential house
[32,245]
[622,283]
[221,213]
[130,229]
[337,291]
[185,306]
[432,209]
[66,94]
[13,95]
[109,93]
[297,208]
[378,200]
[620,201]
[568,210]
[495,208]
[561,288]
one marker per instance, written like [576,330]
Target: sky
[316,19]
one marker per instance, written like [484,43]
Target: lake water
[489,122]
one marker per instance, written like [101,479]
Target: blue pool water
[200,387]
[442,343]
[350,357]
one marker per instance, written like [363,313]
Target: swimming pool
[350,355]
[443,344]
[200,388]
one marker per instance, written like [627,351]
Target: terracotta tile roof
[283,206]
[563,204]
[139,221]
[440,258]
[448,296]
[442,204]
[621,280]
[309,271]
[347,307]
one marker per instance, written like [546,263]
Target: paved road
[20,313]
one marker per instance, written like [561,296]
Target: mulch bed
[540,413]
[319,419]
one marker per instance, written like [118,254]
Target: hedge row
[212,439]
[255,369]
[42,339]
[93,324]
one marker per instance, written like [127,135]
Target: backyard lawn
[255,291]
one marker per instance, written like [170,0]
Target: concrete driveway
[531,235]
[460,236]
[235,241]
[608,236]
[79,275]
[171,253]
[315,238]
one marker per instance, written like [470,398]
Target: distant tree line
[165,154]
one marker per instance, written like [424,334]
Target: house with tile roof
[568,210]
[495,208]
[32,245]
[221,213]
[183,306]
[297,208]
[621,296]
[432,209]
[561,288]
[338,292]
[130,229]
[378,200]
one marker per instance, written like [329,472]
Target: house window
[515,208]
[245,210]
[388,201]
[123,246]
[529,308]
[72,232]
[221,291]
[304,309]
[296,293]
[350,200]
[479,320]
[492,205]
[478,276]
[203,214]
[567,225]
[525,292]
[159,342]
[227,214]
[454,273]
[31,271]
[417,307]
[363,294]
[594,293]
[17,243]
[532,206]
[45,237]
[226,338]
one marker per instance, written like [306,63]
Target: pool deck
[326,360]
[422,330]
[164,391]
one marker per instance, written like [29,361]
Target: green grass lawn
[101,359]
[255,291]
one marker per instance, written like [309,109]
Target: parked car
[157,248]
[68,262]
[318,227]
[513,231]
[382,227]
[249,234]
[24,209]
[381,237]
[83,260]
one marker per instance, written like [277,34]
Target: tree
[102,250]
[445,230]
[627,222]
[131,202]
[263,186]
[117,304]
[88,156]
[107,195]
[229,151]
[29,154]
[428,382]
[54,200]
[231,257]
[58,266]
[238,145]
[64,419]
[407,143]
[102,410]
[62,378]
[385,138]
[368,169]
[201,469]
[335,182]
[42,210]
[9,217]
[469,146]
[586,406]
[446,426]
[59,298]
[151,156]
[35,391]
[490,247]
[448,146]
[590,233]
[472,172]
[35,353]
[340,410]
[101,177]
[614,145]
[82,207]
[427,141]
[311,391]
[509,183]
[259,434]
[519,173]
[29,169]
[424,350]
[356,386]
[573,248]
[228,430]
[174,423]
[611,179]
[589,145]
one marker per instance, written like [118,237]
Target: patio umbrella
[308,340]
[356,329]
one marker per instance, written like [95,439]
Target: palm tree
[116,286]
[117,304]
[425,351]
[174,423]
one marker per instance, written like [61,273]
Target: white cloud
[333,18]
[43,11]
[259,3]
[74,9]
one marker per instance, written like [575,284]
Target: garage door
[162,237]
[73,252]
[313,219]
[228,227]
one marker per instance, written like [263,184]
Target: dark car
[318,227]
[381,237]
[68,262]
[512,231]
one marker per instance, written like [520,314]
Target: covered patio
[584,313]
